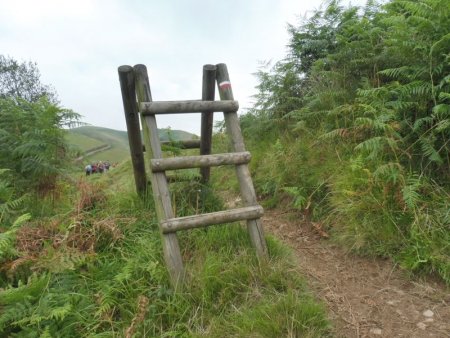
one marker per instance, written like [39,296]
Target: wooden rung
[189,106]
[202,161]
[220,217]
[187,144]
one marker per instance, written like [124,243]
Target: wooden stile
[134,81]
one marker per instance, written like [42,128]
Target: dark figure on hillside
[88,169]
[94,168]
[100,168]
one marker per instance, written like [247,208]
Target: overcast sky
[79,44]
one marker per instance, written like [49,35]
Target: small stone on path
[376,331]
[421,326]
[428,313]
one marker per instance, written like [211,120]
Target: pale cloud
[78,46]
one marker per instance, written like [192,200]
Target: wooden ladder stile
[169,224]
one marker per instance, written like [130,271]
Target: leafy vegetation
[364,97]
[33,153]
[95,268]
[21,80]
[352,128]
[83,257]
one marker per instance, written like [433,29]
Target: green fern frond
[7,238]
[442,42]
[418,8]
[47,333]
[420,123]
[415,88]
[21,220]
[299,195]
[379,124]
[375,145]
[59,313]
[401,104]
[427,145]
[11,314]
[410,192]
[395,73]
[441,110]
[442,126]
[389,172]
[336,133]
[31,290]
[444,96]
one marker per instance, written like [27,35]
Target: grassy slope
[101,273]
[88,137]
[84,143]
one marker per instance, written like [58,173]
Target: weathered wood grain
[254,226]
[201,161]
[127,86]
[188,106]
[163,205]
[208,93]
[220,217]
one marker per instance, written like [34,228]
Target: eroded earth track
[365,297]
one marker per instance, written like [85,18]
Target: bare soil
[365,297]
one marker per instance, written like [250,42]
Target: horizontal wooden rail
[186,144]
[202,161]
[220,217]
[190,106]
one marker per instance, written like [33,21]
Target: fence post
[163,205]
[208,93]
[127,86]
[254,226]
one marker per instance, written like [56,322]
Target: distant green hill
[103,144]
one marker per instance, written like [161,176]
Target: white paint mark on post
[225,84]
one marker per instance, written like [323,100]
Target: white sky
[78,46]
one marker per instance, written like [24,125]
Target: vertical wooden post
[208,93]
[171,248]
[127,86]
[254,226]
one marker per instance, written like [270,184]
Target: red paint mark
[225,84]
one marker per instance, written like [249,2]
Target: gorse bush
[364,96]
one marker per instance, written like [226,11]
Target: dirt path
[365,297]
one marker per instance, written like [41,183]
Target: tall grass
[96,270]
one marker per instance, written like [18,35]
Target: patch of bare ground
[365,297]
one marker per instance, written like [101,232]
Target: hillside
[104,144]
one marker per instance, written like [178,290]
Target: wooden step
[201,161]
[188,106]
[220,217]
